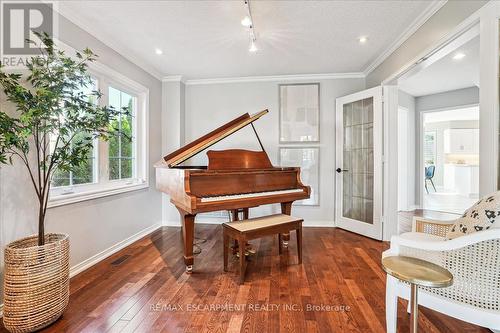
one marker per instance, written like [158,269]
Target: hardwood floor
[143,288]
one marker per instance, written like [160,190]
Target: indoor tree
[57,117]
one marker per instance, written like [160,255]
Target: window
[121,148]
[85,173]
[430,148]
[116,165]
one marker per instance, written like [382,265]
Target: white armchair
[474,261]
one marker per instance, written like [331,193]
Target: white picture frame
[307,158]
[299,116]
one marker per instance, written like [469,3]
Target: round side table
[416,272]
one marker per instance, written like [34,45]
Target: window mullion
[135,126]
[103,151]
[120,139]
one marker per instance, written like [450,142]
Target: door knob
[339,170]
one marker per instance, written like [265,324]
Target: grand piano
[235,179]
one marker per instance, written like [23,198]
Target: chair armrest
[436,243]
[432,227]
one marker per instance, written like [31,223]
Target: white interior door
[359,171]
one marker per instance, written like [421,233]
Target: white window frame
[135,122]
[434,135]
[68,189]
[102,185]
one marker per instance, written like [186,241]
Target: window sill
[66,199]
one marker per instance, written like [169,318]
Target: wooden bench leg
[299,244]
[236,217]
[225,244]
[280,248]
[242,260]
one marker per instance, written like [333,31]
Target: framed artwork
[299,113]
[307,158]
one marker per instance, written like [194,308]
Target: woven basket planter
[36,282]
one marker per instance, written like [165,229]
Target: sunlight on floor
[447,202]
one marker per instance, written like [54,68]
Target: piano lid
[193,148]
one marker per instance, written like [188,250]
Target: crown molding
[298,77]
[173,78]
[412,28]
[139,62]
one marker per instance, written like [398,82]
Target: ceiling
[470,113]
[447,73]
[204,39]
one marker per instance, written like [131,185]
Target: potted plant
[55,122]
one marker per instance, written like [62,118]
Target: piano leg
[286,208]
[188,237]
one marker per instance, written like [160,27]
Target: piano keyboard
[250,195]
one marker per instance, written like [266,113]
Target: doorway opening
[438,130]
[450,156]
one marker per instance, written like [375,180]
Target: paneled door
[358,167]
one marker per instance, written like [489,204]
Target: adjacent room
[451,159]
[250,166]
[439,131]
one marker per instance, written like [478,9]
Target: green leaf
[56,100]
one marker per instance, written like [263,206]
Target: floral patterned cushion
[483,215]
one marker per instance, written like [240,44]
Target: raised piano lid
[182,154]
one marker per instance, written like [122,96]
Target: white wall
[430,33]
[173,131]
[94,225]
[210,105]
[448,99]
[408,102]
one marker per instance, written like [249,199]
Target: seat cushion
[261,222]
[483,215]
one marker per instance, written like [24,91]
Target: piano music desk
[249,229]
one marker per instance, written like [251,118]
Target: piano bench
[249,229]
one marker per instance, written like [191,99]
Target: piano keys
[249,195]
[233,179]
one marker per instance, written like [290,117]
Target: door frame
[376,231]
[403,198]
[488,18]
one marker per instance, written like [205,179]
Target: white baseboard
[319,223]
[87,263]
[171,223]
[215,220]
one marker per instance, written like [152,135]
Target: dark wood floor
[143,288]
